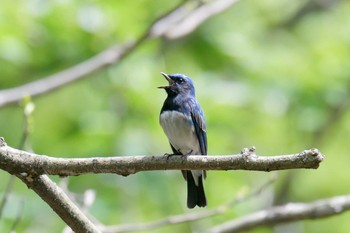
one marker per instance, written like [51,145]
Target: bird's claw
[168,155]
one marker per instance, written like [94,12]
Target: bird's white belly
[180,132]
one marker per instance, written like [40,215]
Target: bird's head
[178,84]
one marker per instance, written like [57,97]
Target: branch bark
[17,161]
[286,213]
[189,20]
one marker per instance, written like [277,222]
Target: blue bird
[183,122]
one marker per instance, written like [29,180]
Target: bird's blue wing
[199,125]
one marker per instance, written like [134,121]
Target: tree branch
[286,213]
[55,81]
[17,161]
[198,16]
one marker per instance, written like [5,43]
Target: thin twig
[28,108]
[18,216]
[7,192]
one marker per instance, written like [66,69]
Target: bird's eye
[181,80]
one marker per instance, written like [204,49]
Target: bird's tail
[195,193]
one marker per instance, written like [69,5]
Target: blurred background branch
[6,194]
[290,212]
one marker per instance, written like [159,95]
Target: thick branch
[286,213]
[16,161]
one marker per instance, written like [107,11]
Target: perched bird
[183,122]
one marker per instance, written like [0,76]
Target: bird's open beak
[171,82]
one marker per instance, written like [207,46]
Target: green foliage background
[272,74]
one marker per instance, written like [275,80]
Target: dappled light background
[269,74]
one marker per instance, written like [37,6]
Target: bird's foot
[189,153]
[171,155]
[168,155]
